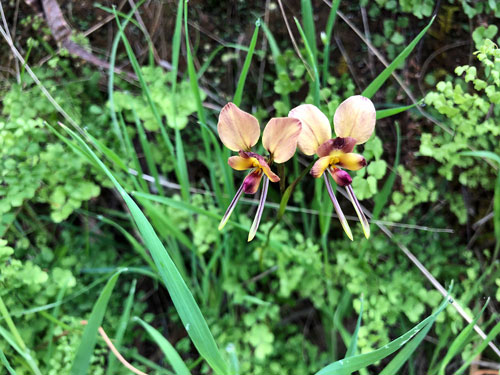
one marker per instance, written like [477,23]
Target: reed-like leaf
[386,73]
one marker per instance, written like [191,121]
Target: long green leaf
[312,60]
[482,345]
[383,113]
[386,73]
[349,365]
[383,196]
[353,345]
[400,359]
[6,364]
[309,29]
[246,65]
[166,347]
[7,336]
[329,28]
[182,298]
[85,350]
[460,341]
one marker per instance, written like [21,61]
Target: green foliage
[470,106]
[158,82]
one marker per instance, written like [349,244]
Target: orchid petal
[345,145]
[342,178]
[316,128]
[240,163]
[338,210]
[237,129]
[231,207]
[280,138]
[359,211]
[355,117]
[320,166]
[252,181]
[351,161]
[260,209]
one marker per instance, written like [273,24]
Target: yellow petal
[351,161]
[238,130]
[320,166]
[280,138]
[355,117]
[241,164]
[316,128]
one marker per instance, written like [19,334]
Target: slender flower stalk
[354,123]
[239,131]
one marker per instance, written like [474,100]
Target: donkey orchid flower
[239,131]
[354,122]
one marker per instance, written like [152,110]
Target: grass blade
[386,73]
[166,347]
[353,345]
[85,350]
[382,197]
[383,113]
[355,363]
[484,343]
[312,61]
[460,341]
[122,326]
[24,353]
[246,65]
[183,300]
[6,364]
[309,29]
[329,28]
[400,359]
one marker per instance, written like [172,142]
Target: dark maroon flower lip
[345,145]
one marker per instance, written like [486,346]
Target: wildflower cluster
[307,128]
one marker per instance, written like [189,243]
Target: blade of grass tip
[383,113]
[478,350]
[146,92]
[460,341]
[122,326]
[179,147]
[404,355]
[5,362]
[353,345]
[386,73]
[312,61]
[246,65]
[146,148]
[85,350]
[183,300]
[166,347]
[329,28]
[309,29]
[355,363]
[23,353]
